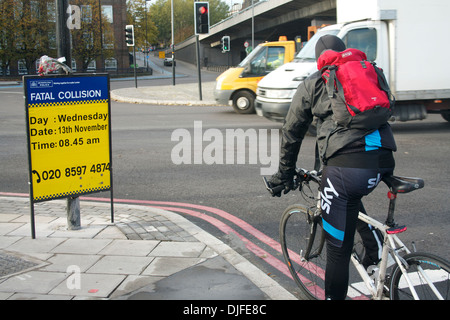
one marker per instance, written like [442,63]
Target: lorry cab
[239,84]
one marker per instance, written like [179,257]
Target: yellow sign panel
[162,54]
[69,136]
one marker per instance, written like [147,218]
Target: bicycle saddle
[403,184]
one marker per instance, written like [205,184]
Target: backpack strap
[329,79]
[383,83]
[317,163]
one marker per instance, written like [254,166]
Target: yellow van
[239,84]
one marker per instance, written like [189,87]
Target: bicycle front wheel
[301,235]
[428,276]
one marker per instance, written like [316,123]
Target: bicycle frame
[392,245]
[375,285]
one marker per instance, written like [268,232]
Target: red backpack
[359,93]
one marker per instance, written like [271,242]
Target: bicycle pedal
[396,229]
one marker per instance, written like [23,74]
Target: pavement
[145,254]
[178,94]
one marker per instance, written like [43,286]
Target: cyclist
[354,162]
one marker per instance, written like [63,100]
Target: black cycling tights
[342,190]
[338,258]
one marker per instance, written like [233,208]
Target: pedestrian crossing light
[129,35]
[225,43]
[201,16]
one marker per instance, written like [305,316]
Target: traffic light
[225,43]
[129,35]
[201,16]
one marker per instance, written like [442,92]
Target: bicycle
[401,273]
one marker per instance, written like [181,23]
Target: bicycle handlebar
[275,190]
[301,175]
[305,175]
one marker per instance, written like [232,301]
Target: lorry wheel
[244,102]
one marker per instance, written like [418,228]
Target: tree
[7,37]
[33,40]
[24,33]
[160,13]
[145,31]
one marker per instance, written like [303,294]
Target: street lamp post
[102,65]
[173,46]
[146,43]
[253,25]
[62,32]
[146,37]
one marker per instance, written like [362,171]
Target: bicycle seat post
[390,218]
[393,227]
[398,185]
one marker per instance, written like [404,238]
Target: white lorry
[406,38]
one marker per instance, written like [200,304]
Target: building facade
[97,37]
[114,55]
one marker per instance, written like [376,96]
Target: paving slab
[130,247]
[33,282]
[166,266]
[61,262]
[89,285]
[178,249]
[120,265]
[82,246]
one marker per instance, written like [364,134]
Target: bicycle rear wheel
[423,269]
[297,226]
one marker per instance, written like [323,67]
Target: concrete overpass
[272,18]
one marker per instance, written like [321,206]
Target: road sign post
[69,136]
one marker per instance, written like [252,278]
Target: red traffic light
[201,17]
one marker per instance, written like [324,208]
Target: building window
[107,12]
[22,66]
[111,64]
[1,69]
[86,13]
[51,11]
[74,65]
[92,66]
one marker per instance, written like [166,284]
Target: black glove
[281,182]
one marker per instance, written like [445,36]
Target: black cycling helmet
[329,42]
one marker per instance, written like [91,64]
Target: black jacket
[309,102]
